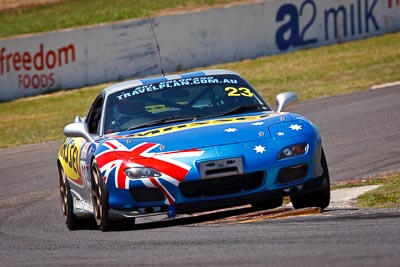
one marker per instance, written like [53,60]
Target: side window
[94,116]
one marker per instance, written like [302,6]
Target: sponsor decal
[69,155]
[82,205]
[175,84]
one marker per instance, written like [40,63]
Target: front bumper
[312,185]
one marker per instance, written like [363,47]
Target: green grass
[329,70]
[386,196]
[74,13]
[313,73]
[42,118]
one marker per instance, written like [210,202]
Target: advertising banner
[41,63]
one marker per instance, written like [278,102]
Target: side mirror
[285,100]
[77,129]
[78,119]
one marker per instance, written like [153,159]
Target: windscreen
[181,99]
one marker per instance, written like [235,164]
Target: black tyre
[267,204]
[71,221]
[100,199]
[319,198]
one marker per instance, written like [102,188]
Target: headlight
[141,172]
[292,151]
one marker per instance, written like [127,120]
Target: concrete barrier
[39,63]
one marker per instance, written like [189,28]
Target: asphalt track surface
[361,137]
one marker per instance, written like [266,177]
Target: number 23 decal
[241,91]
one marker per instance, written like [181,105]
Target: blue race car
[186,143]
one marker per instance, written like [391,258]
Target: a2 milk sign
[311,24]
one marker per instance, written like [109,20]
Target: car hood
[206,133]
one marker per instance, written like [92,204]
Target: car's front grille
[222,186]
[292,173]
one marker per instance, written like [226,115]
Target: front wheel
[99,199]
[319,198]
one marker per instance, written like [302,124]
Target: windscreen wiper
[245,108]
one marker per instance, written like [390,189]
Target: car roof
[134,83]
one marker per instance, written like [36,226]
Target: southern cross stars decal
[286,130]
[259,149]
[295,127]
[282,131]
[230,130]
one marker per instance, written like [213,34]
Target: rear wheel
[319,198]
[71,221]
[100,199]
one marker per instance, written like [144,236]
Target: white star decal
[230,130]
[281,134]
[259,149]
[258,123]
[295,127]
